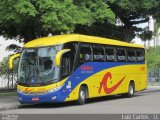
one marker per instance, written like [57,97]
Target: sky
[3,44]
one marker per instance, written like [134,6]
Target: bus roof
[60,39]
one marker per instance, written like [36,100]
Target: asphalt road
[148,102]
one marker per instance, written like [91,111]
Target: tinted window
[131,55]
[140,55]
[121,54]
[72,54]
[98,53]
[110,56]
[85,53]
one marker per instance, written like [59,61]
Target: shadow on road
[73,103]
[109,98]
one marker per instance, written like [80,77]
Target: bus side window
[131,55]
[140,55]
[85,54]
[110,56]
[98,53]
[121,54]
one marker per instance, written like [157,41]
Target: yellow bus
[76,67]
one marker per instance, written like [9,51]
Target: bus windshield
[37,66]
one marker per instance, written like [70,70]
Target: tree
[26,20]
[29,19]
[153,58]
[145,35]
[156,11]
[4,67]
[131,13]
[157,27]
[14,47]
[156,32]
[4,70]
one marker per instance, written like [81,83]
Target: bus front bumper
[52,97]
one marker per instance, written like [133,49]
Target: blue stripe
[77,77]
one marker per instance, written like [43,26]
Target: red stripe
[104,84]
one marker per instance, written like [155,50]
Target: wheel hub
[82,94]
[131,90]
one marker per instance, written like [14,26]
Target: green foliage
[4,71]
[156,10]
[134,9]
[153,58]
[145,35]
[30,19]
[131,13]
[157,28]
[156,15]
[4,67]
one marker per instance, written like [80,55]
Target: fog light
[53,98]
[20,99]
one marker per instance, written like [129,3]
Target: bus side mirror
[59,55]
[11,59]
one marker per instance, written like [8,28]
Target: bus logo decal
[28,90]
[86,67]
[104,84]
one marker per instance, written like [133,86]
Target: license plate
[35,99]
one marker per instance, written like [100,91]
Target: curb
[8,94]
[149,91]
[9,108]
[152,89]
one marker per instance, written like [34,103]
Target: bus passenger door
[67,68]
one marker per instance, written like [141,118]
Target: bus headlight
[55,89]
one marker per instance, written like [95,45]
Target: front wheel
[82,96]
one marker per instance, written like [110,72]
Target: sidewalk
[10,101]
[152,89]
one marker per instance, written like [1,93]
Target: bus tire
[82,96]
[131,90]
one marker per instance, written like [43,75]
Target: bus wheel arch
[83,94]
